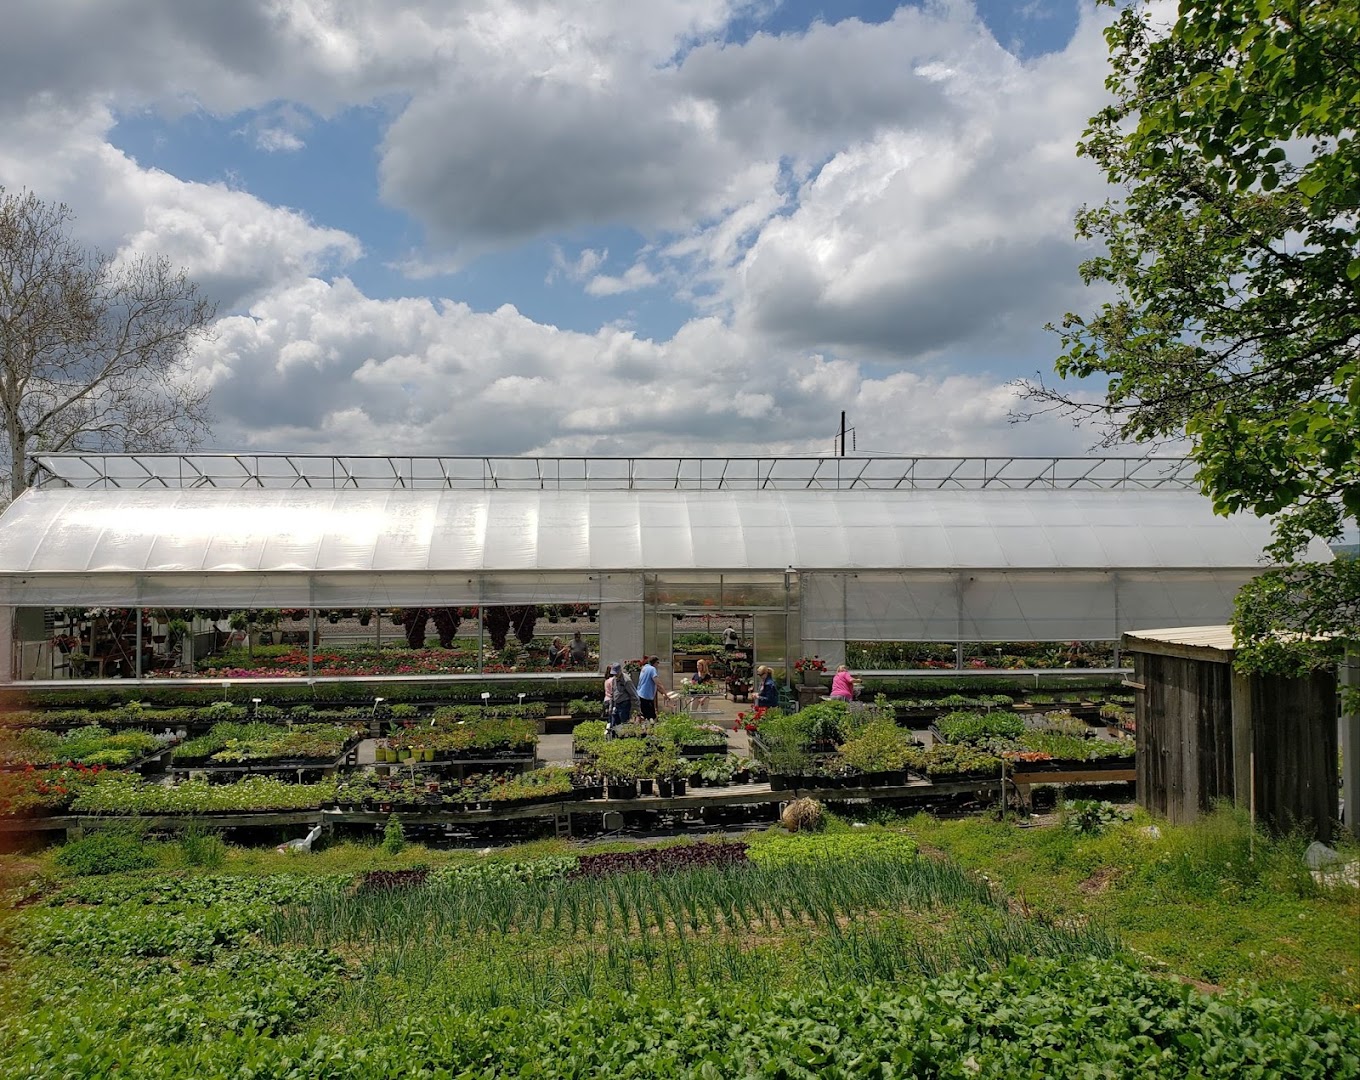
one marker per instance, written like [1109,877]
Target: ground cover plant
[234,743]
[855,951]
[119,793]
[470,732]
[89,745]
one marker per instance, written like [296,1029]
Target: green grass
[1198,903]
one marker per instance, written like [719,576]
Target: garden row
[832,744]
[51,772]
[837,955]
[81,703]
[976,655]
[1055,738]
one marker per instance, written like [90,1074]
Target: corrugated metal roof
[1199,637]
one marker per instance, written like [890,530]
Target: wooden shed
[1205,731]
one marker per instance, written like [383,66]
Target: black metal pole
[842,433]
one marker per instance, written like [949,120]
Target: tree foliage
[1232,259]
[415,620]
[501,620]
[93,349]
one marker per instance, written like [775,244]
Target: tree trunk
[18,449]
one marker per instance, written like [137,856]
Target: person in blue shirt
[647,686]
[768,695]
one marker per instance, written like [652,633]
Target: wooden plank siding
[1294,737]
[1199,725]
[1184,734]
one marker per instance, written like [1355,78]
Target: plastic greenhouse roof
[64,530]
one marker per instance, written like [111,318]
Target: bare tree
[93,350]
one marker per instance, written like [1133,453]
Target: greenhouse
[138,564]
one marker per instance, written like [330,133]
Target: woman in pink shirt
[843,685]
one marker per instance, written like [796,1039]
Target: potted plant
[787,756]
[586,779]
[663,763]
[621,761]
[810,669]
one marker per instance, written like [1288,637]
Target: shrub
[109,851]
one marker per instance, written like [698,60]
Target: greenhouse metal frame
[819,550]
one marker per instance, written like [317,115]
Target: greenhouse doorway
[718,648]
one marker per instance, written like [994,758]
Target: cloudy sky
[584,226]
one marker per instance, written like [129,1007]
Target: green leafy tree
[1232,261]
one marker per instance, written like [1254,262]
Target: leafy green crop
[90,745]
[974,727]
[115,793]
[779,848]
[108,851]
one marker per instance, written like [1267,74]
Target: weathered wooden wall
[1185,746]
[1294,737]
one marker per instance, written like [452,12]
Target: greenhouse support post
[6,644]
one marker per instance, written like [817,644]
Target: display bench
[980,789]
[457,768]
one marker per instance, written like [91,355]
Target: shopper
[647,687]
[623,695]
[580,655]
[557,653]
[843,685]
[607,712]
[767,697]
[729,638]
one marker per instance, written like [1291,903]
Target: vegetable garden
[908,948]
[857,951]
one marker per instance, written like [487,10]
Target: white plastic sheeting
[205,530]
[960,565]
[1012,605]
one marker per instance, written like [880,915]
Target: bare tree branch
[94,352]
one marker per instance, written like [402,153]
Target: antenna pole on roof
[842,433]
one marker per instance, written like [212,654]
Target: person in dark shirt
[768,695]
